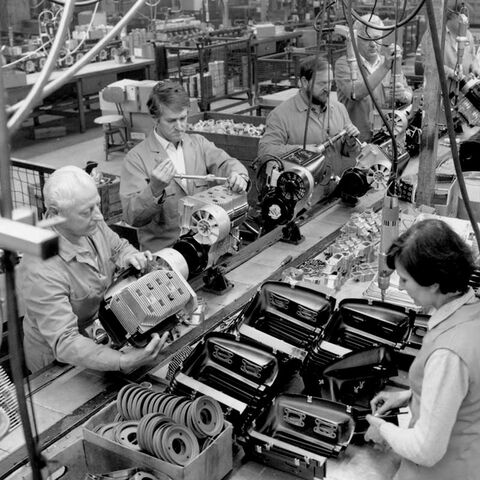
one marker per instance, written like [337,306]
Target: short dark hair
[431,252]
[313,64]
[169,93]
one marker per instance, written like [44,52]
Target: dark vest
[459,333]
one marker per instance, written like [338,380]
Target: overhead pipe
[34,97]
[68,74]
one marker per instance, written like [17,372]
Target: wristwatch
[247,179]
[159,200]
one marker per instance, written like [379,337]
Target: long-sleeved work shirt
[285,129]
[158,221]
[62,296]
[360,108]
[434,445]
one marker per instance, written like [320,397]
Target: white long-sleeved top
[445,385]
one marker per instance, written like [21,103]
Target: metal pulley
[210,224]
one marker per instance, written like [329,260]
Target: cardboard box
[136,96]
[110,203]
[212,464]
[14,78]
[191,5]
[265,30]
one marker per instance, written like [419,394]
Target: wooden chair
[116,129]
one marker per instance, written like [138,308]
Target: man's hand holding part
[139,260]
[238,183]
[137,357]
[161,176]
[394,55]
[352,130]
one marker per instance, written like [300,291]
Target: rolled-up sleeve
[48,305]
[120,248]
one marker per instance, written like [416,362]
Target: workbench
[88,81]
[64,397]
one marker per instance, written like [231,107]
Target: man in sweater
[285,126]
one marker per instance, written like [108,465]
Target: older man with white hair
[378,70]
[62,295]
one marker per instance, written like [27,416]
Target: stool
[113,125]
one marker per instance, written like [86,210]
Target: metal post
[11,303]
[432,95]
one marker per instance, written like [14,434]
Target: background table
[88,81]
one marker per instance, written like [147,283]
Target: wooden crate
[212,464]
[109,191]
[110,203]
[242,147]
[83,457]
[49,132]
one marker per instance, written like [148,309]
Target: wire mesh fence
[213,69]
[28,179]
[282,70]
[27,182]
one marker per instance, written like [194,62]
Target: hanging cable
[83,40]
[393,174]
[34,95]
[82,3]
[318,26]
[11,309]
[26,56]
[68,74]
[448,115]
[384,28]
[393,76]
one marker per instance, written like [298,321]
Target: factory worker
[442,441]
[285,125]
[62,295]
[149,191]
[378,70]
[457,23]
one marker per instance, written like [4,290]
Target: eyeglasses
[167,85]
[369,38]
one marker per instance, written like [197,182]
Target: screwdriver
[209,178]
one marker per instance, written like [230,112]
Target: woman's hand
[373,433]
[386,401]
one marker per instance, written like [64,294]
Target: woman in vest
[443,438]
